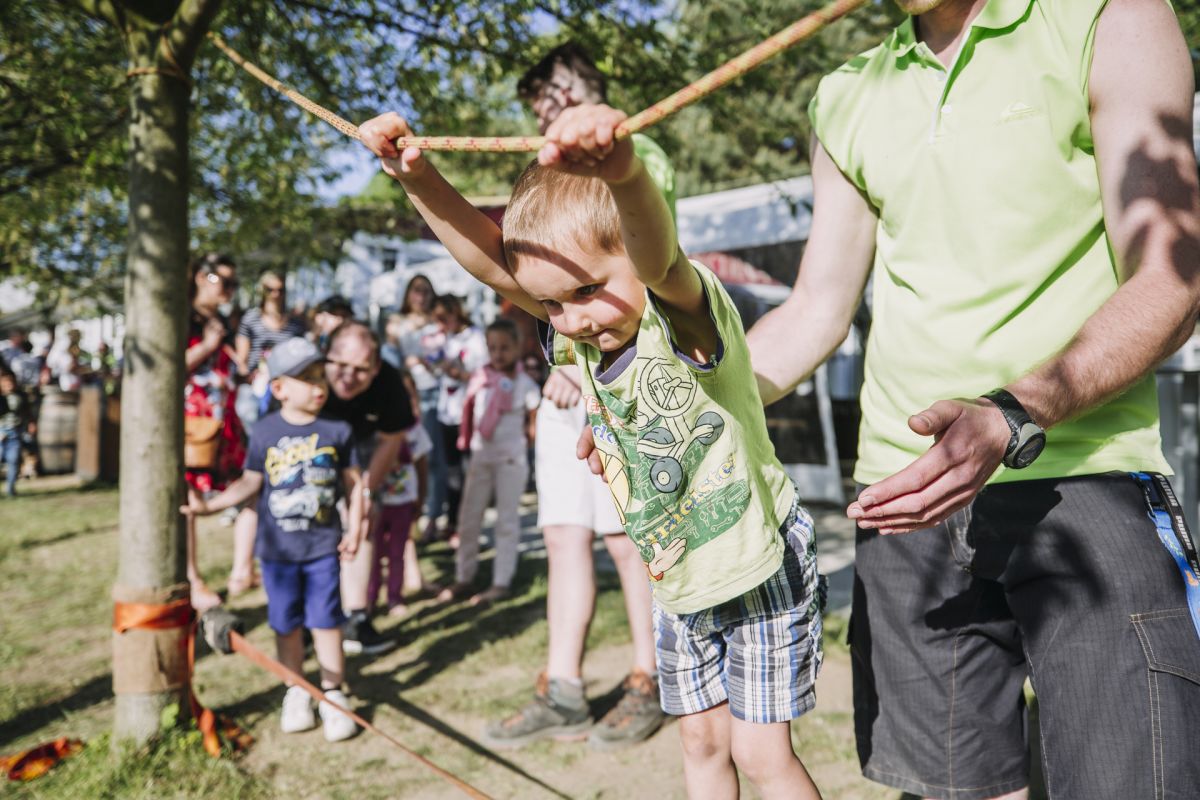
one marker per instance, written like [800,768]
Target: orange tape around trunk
[179,614]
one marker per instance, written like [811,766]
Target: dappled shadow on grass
[450,634]
[26,492]
[418,714]
[97,690]
[29,544]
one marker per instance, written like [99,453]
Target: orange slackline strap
[239,645]
[179,614]
[37,761]
[729,71]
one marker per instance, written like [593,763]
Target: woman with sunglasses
[214,438]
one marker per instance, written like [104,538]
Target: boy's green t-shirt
[687,457]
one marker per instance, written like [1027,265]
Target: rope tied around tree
[719,77]
[171,68]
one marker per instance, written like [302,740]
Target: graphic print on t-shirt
[314,472]
[651,450]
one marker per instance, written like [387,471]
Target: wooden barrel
[58,424]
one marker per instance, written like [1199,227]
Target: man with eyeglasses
[369,394]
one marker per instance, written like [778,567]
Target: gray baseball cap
[292,357]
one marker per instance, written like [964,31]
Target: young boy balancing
[298,464]
[589,247]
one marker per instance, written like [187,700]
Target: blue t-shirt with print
[302,468]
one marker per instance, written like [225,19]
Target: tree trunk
[151,559]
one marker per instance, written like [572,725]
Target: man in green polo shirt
[1019,176]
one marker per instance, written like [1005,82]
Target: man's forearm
[1144,322]
[382,460]
[811,334]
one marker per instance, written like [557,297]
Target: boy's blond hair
[550,208]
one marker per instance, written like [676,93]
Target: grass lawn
[455,669]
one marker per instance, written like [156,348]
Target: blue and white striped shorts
[760,651]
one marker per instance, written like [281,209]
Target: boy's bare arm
[582,141]
[241,490]
[470,236]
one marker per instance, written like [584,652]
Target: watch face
[1029,450]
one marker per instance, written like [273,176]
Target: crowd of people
[1041,283]
[27,375]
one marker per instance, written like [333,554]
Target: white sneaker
[338,726]
[297,711]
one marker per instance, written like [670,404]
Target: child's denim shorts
[304,593]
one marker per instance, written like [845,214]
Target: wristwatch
[1028,438]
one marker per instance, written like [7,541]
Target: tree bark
[156,311]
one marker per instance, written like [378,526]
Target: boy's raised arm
[470,236]
[582,141]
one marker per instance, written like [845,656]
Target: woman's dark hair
[406,305]
[574,57]
[204,264]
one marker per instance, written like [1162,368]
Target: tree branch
[393,25]
[102,10]
[192,21]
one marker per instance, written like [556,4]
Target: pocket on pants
[1172,652]
[962,539]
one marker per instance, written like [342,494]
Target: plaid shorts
[760,651]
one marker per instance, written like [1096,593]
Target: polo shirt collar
[999,14]
[996,14]
[904,38]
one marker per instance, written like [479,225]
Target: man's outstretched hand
[970,437]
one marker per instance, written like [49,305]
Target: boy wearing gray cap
[298,464]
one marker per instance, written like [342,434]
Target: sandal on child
[493,595]
[456,591]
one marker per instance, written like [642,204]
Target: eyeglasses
[228,284]
[273,289]
[359,370]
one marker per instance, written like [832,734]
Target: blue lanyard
[1164,509]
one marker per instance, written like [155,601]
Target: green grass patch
[175,766]
[455,669]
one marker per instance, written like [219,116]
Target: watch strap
[1017,418]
